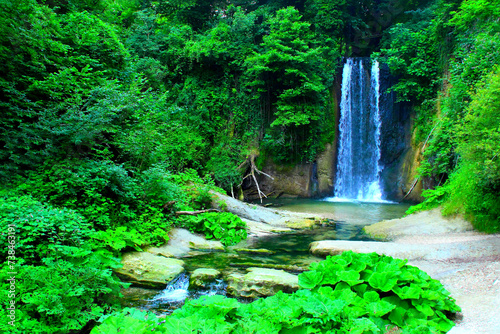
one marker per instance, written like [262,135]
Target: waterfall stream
[358,162]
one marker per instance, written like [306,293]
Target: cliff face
[302,180]
[399,158]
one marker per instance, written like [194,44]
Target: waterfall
[358,161]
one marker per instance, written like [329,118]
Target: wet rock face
[201,277]
[261,282]
[148,270]
[395,137]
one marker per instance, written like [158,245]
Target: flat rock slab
[148,270]
[261,282]
[335,247]
[420,223]
[261,229]
[182,241]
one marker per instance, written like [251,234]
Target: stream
[288,251]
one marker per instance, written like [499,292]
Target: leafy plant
[118,239]
[224,226]
[392,291]
[63,295]
[38,227]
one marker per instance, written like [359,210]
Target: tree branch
[194,213]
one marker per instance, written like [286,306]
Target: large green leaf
[379,308]
[408,292]
[310,279]
[382,281]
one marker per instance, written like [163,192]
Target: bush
[225,226]
[38,227]
[348,293]
[101,191]
[63,295]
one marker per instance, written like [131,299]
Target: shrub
[64,294]
[101,191]
[225,226]
[38,227]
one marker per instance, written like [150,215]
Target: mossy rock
[260,282]
[286,267]
[303,224]
[201,277]
[260,251]
[148,270]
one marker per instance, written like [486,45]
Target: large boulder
[421,223]
[148,270]
[181,242]
[261,282]
[201,277]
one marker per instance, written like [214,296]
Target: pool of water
[348,212]
[289,251]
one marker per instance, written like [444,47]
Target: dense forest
[115,114]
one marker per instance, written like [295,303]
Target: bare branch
[194,213]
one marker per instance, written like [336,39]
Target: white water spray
[358,166]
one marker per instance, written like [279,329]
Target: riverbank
[466,262]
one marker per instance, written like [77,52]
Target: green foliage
[459,155]
[223,163]
[110,199]
[61,284]
[225,226]
[392,290]
[411,55]
[127,321]
[156,135]
[474,186]
[118,239]
[288,53]
[348,293]
[433,198]
[64,294]
[39,227]
[100,190]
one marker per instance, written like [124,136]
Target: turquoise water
[348,212]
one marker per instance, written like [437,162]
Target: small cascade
[177,291]
[217,287]
[358,166]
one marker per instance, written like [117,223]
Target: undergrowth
[347,293]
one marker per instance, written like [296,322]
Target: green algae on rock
[148,270]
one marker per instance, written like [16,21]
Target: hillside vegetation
[116,114]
